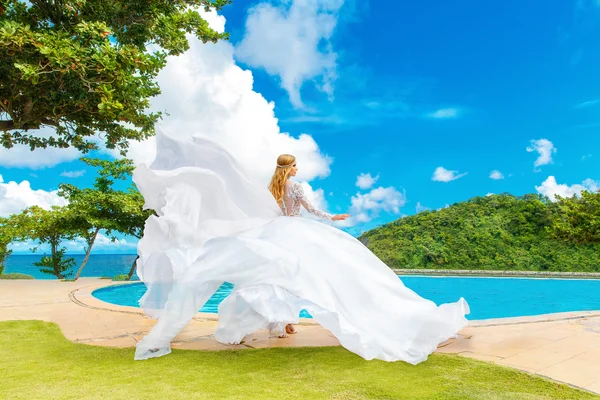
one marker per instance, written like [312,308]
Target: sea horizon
[98,265]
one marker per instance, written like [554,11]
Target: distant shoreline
[497,273]
[124,267]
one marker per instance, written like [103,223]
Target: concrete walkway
[564,347]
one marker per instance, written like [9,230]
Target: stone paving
[564,347]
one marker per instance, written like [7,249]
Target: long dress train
[215,223]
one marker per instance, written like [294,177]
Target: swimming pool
[487,297]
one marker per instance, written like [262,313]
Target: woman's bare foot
[278,334]
[290,329]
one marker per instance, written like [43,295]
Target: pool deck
[564,347]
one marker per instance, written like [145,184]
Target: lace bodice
[294,198]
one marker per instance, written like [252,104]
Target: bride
[290,196]
[215,223]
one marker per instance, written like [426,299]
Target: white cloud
[590,103]
[291,40]
[444,113]
[545,149]
[366,181]
[441,174]
[207,94]
[552,188]
[585,157]
[366,207]
[21,156]
[324,119]
[73,174]
[421,207]
[14,197]
[101,244]
[215,21]
[143,152]
[26,246]
[496,175]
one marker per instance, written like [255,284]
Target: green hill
[496,232]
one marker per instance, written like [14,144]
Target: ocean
[98,265]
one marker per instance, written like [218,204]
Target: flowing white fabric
[216,224]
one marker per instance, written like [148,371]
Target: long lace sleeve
[299,193]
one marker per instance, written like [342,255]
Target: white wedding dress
[215,223]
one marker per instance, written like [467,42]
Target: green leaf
[86,66]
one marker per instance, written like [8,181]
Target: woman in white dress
[290,196]
[215,223]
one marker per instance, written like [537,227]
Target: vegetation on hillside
[496,232]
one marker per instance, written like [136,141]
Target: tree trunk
[132,270]
[57,273]
[87,254]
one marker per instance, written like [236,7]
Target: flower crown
[286,166]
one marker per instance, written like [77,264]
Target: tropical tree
[50,227]
[103,207]
[578,218]
[88,67]
[6,237]
[134,224]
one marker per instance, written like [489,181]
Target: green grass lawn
[37,362]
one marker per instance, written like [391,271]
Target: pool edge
[83,297]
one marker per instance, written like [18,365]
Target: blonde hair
[285,162]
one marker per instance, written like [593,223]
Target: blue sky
[413,86]
[515,72]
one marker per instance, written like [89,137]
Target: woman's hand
[340,217]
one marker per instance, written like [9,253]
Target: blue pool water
[487,297]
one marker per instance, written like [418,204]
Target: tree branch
[7,125]
[47,121]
